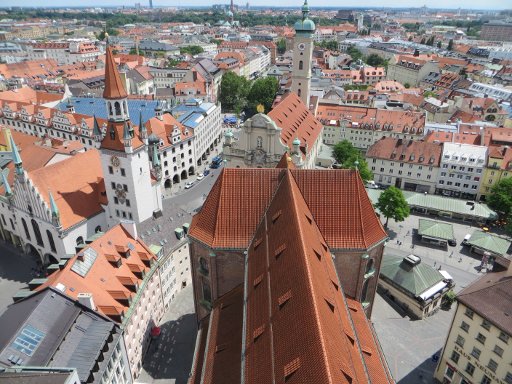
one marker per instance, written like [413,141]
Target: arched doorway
[176,179]
[167,184]
[184,175]
[199,162]
[50,259]
[191,171]
[31,250]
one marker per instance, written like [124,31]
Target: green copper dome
[306,24]
[296,141]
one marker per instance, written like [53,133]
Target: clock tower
[303,55]
[132,192]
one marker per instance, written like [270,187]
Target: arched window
[299,92]
[203,265]
[50,240]
[117,106]
[97,229]
[27,233]
[364,293]
[301,64]
[112,133]
[207,293]
[110,108]
[37,232]
[369,265]
[79,241]
[259,142]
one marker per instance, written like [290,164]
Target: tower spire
[7,187]
[54,210]
[16,158]
[96,130]
[114,88]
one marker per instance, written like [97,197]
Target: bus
[216,162]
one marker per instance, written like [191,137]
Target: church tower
[302,55]
[131,191]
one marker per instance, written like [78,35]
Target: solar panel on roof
[27,341]
[82,267]
[131,246]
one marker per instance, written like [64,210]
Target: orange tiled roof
[76,185]
[114,87]
[114,137]
[29,95]
[286,162]
[104,280]
[238,199]
[295,120]
[411,151]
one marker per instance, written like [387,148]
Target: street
[410,344]
[16,270]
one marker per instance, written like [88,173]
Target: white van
[466,238]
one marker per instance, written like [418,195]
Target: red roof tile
[114,88]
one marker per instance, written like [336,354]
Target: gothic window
[50,240]
[110,108]
[117,106]
[364,294]
[259,142]
[37,232]
[207,294]
[203,265]
[112,133]
[79,241]
[27,233]
[369,265]
[301,65]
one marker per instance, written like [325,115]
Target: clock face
[114,160]
[301,46]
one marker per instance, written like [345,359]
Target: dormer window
[112,133]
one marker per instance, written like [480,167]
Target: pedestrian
[435,263]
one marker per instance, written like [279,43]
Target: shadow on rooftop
[422,374]
[170,356]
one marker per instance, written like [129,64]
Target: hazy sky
[468,4]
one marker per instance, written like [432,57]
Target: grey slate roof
[414,279]
[73,336]
[491,297]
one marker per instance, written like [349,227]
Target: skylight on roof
[28,340]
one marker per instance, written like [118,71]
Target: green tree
[422,40]
[171,63]
[392,204]
[430,41]
[192,50]
[133,51]
[407,85]
[354,53]
[375,60]
[216,41]
[281,46]
[348,157]
[263,91]
[450,45]
[439,44]
[233,92]
[500,198]
[331,45]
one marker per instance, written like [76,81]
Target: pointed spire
[143,131]
[127,135]
[7,187]
[15,154]
[54,210]
[114,88]
[96,130]
[18,164]
[156,160]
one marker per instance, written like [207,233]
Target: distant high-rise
[151,4]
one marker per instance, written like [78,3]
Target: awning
[446,275]
[155,331]
[433,290]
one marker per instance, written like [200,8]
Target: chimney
[130,227]
[86,300]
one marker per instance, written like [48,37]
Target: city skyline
[436,4]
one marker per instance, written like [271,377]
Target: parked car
[206,172]
[189,185]
[452,242]
[466,238]
[200,177]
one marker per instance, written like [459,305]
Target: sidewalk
[169,358]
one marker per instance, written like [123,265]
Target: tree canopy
[332,45]
[375,60]
[355,53]
[348,157]
[281,46]
[392,204]
[192,50]
[263,91]
[233,92]
[500,199]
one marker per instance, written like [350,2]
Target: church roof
[285,162]
[296,319]
[296,121]
[76,184]
[114,88]
[337,199]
